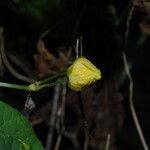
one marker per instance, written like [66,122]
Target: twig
[86,141]
[77,48]
[58,142]
[61,114]
[128,26]
[132,109]
[53,117]
[107,142]
[45,33]
[64,92]
[81,47]
[133,112]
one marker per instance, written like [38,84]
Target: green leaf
[15,131]
[9,143]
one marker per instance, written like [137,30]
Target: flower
[82,73]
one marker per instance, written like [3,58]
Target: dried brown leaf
[47,64]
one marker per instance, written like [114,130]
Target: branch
[53,117]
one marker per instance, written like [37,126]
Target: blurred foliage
[38,8]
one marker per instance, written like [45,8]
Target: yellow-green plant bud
[33,87]
[82,73]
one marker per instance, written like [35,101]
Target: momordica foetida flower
[82,73]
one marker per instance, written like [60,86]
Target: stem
[131,104]
[86,142]
[128,26]
[58,142]
[81,105]
[50,84]
[81,47]
[60,119]
[132,108]
[15,86]
[107,142]
[51,78]
[31,87]
[77,48]
[53,117]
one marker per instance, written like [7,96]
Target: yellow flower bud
[82,73]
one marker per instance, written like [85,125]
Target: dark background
[102,24]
